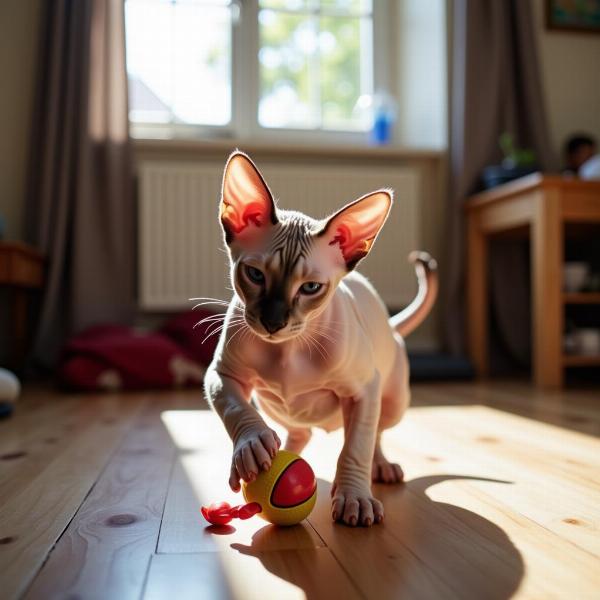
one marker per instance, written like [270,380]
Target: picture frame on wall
[573,15]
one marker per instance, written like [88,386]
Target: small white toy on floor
[10,389]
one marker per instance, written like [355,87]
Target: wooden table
[542,205]
[21,270]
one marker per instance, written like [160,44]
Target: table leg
[477,295]
[547,255]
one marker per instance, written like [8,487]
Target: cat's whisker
[218,324]
[325,333]
[220,312]
[209,300]
[327,327]
[218,317]
[245,334]
[220,328]
[311,342]
[325,337]
[304,341]
[219,320]
[320,348]
[242,329]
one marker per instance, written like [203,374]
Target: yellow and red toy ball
[287,492]
[283,495]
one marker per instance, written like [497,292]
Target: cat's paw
[252,452]
[384,471]
[355,506]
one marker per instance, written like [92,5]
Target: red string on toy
[221,513]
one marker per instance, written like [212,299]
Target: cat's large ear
[246,200]
[354,228]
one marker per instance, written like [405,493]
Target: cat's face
[286,266]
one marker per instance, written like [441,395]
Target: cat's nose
[273,325]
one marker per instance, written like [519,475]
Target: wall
[19,27]
[421,75]
[570,65]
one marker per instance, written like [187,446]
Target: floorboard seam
[164,506]
[146,575]
[117,446]
[318,534]
[350,578]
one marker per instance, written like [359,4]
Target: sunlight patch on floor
[205,455]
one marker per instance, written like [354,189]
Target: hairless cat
[309,339]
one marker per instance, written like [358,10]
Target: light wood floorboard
[100,499]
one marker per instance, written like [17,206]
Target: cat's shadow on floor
[425,549]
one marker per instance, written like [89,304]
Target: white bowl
[588,341]
[9,386]
[575,275]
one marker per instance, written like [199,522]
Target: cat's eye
[310,287]
[255,275]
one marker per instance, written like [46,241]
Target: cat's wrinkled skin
[309,339]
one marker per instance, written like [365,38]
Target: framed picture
[573,15]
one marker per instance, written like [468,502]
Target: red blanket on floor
[112,357]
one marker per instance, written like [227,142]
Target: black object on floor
[438,367]
[6,409]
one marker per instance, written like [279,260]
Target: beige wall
[570,65]
[19,25]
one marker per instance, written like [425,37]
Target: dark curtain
[80,197]
[496,87]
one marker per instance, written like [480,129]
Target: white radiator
[181,251]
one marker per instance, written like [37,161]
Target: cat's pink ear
[354,228]
[245,198]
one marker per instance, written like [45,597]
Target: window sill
[220,148]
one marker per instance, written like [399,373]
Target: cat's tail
[411,317]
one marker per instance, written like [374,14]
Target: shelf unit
[581,360]
[549,210]
[581,297]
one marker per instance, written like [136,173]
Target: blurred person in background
[578,150]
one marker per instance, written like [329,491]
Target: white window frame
[245,87]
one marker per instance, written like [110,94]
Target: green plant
[513,156]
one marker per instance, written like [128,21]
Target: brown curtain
[496,87]
[80,200]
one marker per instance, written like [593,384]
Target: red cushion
[190,332]
[106,357]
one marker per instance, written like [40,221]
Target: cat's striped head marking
[285,265]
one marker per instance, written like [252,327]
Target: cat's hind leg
[394,402]
[384,471]
[297,439]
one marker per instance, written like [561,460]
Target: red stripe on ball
[294,486]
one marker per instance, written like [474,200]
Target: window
[179,61]
[286,69]
[249,66]
[315,62]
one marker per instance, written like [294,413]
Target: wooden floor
[100,497]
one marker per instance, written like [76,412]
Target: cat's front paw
[355,506]
[252,452]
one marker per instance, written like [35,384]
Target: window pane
[287,43]
[343,77]
[313,69]
[347,6]
[286,4]
[179,61]
[337,6]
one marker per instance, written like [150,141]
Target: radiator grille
[181,252]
